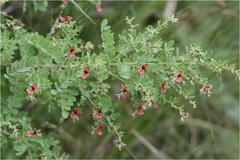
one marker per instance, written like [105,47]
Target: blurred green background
[211,132]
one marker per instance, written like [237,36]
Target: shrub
[61,75]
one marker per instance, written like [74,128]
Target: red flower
[179,77]
[142,68]
[71,49]
[65,2]
[31,133]
[99,115]
[163,89]
[154,105]
[100,130]
[98,7]
[32,88]
[140,110]
[125,90]
[85,72]
[75,113]
[71,54]
[65,19]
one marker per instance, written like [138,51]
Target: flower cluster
[71,52]
[32,133]
[85,72]
[142,68]
[99,117]
[98,7]
[179,77]
[124,92]
[32,88]
[65,19]
[74,114]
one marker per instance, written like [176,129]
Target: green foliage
[108,39]
[31,58]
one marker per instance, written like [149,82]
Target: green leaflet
[105,102]
[124,71]
[108,43]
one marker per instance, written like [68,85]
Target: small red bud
[99,115]
[100,130]
[34,86]
[65,2]
[163,89]
[31,133]
[71,49]
[65,19]
[85,72]
[179,77]
[31,89]
[98,7]
[125,89]
[75,113]
[140,110]
[144,66]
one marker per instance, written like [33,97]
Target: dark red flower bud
[31,89]
[125,90]
[163,89]
[140,110]
[85,72]
[75,112]
[31,133]
[99,115]
[65,2]
[144,66]
[179,77]
[34,86]
[71,49]
[98,7]
[65,19]
[100,130]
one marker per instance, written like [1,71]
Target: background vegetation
[212,131]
